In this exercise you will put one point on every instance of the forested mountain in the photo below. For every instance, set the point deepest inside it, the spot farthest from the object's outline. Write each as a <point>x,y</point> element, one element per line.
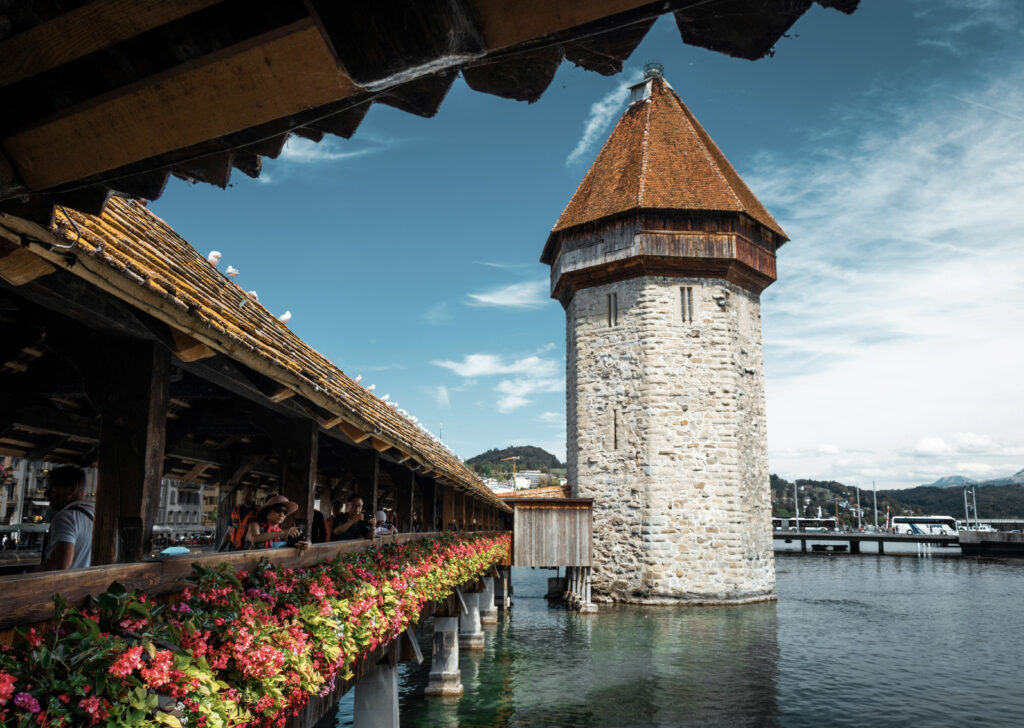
<point>530,458</point>
<point>994,501</point>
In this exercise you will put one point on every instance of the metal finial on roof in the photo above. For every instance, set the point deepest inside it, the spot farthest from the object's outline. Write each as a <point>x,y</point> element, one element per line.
<point>652,69</point>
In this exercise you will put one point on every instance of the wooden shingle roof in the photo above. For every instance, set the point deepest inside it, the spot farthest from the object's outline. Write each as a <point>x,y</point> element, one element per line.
<point>659,157</point>
<point>134,255</point>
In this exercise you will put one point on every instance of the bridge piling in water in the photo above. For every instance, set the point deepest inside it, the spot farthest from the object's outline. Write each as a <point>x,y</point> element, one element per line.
<point>375,703</point>
<point>471,635</point>
<point>488,607</point>
<point>445,678</point>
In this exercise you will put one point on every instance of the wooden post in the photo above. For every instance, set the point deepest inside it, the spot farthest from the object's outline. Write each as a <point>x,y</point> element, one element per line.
<point>403,505</point>
<point>447,507</point>
<point>376,479</point>
<point>128,381</point>
<point>297,449</point>
<point>427,493</point>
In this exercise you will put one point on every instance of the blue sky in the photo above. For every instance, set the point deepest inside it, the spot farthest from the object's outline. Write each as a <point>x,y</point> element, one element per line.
<point>889,144</point>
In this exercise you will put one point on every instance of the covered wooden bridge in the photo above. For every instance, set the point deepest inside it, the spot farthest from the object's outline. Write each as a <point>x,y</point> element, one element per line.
<point>126,349</point>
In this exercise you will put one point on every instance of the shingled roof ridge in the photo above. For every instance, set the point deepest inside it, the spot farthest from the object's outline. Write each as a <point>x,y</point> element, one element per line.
<point>644,142</point>
<point>695,129</point>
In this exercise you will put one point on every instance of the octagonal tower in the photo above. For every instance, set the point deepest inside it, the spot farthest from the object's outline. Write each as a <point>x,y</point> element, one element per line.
<point>659,260</point>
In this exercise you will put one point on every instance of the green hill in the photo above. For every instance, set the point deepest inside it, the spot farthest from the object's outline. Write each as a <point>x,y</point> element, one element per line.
<point>994,501</point>
<point>530,458</point>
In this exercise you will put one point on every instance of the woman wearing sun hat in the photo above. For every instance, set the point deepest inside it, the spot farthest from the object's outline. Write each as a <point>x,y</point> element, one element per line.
<point>265,531</point>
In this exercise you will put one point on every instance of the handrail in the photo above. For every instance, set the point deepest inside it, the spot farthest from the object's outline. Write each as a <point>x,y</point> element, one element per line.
<point>28,598</point>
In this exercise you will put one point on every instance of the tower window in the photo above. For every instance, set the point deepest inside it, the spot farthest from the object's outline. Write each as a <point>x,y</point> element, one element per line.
<point>615,429</point>
<point>686,304</point>
<point>613,309</point>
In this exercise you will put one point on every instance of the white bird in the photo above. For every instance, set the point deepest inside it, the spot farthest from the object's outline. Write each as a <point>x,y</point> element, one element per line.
<point>253,296</point>
<point>213,258</point>
<point>371,388</point>
<point>359,378</point>
<point>232,271</point>
<point>385,398</point>
<point>285,317</point>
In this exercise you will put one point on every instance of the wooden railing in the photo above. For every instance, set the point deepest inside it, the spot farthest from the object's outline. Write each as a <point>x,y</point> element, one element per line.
<point>28,598</point>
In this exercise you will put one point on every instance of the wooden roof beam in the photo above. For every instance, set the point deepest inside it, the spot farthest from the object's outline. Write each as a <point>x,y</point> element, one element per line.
<point>90,28</point>
<point>257,81</point>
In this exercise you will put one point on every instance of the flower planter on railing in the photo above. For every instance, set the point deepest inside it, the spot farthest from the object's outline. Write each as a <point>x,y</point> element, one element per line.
<point>245,649</point>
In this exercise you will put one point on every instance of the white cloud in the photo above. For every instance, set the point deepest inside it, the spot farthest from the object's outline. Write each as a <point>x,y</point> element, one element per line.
<point>516,393</point>
<point>528,294</point>
<point>602,113</point>
<point>482,365</point>
<point>931,446</point>
<point>552,418</point>
<point>899,305</point>
<point>442,398</point>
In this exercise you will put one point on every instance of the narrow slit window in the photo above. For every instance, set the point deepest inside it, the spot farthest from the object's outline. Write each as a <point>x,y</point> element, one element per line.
<point>615,429</point>
<point>613,309</point>
<point>686,304</point>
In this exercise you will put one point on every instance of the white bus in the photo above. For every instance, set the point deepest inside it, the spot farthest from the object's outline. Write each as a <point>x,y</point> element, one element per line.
<point>924,525</point>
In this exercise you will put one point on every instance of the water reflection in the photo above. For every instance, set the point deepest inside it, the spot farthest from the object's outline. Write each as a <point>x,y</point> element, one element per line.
<point>626,666</point>
<point>852,641</point>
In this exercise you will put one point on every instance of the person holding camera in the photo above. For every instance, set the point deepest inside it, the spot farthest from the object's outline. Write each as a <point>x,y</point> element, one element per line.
<point>265,531</point>
<point>353,524</point>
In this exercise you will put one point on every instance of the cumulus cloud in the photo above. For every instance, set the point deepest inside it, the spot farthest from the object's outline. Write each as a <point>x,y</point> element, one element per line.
<point>533,374</point>
<point>528,294</point>
<point>601,115</point>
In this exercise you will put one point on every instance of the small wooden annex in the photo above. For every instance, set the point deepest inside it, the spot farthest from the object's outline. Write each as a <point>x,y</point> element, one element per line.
<point>125,349</point>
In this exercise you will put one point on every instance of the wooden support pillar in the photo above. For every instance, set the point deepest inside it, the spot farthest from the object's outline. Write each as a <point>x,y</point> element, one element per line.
<point>128,382</point>
<point>881,546</point>
<point>403,504</point>
<point>447,507</point>
<point>375,480</point>
<point>428,492</point>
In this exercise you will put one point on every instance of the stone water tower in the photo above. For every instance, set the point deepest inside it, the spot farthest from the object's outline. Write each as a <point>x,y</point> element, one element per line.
<point>659,260</point>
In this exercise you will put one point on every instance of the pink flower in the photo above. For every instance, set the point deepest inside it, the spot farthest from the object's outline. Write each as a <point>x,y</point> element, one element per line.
<point>26,701</point>
<point>6,686</point>
<point>129,660</point>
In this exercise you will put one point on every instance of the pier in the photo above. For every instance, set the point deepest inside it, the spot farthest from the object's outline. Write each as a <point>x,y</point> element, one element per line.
<point>854,540</point>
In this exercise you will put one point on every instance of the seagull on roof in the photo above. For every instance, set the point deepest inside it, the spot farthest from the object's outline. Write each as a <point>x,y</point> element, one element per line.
<point>359,378</point>
<point>213,258</point>
<point>253,296</point>
<point>285,317</point>
<point>371,388</point>
<point>232,271</point>
<point>385,398</point>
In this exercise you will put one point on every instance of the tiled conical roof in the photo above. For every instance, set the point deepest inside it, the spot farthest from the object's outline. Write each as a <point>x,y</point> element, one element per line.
<point>659,157</point>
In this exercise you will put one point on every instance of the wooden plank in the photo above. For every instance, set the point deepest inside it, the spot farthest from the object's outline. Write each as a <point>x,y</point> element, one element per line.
<point>353,433</point>
<point>19,266</point>
<point>508,22</point>
<point>189,349</point>
<point>265,78</point>
<point>92,27</point>
<point>379,445</point>
<point>28,598</point>
<point>282,394</point>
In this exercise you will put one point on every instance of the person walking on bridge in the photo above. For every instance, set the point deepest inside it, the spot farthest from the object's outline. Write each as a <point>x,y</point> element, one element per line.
<point>68,543</point>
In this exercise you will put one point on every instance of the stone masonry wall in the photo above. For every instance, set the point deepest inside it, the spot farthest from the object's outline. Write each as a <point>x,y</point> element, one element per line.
<point>666,432</point>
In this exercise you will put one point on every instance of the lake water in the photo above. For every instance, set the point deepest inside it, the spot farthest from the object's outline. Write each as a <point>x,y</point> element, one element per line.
<point>852,641</point>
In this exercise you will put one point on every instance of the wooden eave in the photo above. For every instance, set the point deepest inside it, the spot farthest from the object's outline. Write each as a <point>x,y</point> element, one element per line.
<point>112,97</point>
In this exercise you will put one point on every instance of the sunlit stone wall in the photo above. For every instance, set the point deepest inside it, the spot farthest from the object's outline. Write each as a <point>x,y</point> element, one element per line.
<point>666,432</point>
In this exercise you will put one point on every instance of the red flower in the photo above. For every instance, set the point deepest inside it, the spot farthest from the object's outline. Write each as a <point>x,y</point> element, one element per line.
<point>129,660</point>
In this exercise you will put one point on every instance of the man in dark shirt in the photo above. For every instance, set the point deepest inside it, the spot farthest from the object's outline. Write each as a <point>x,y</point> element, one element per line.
<point>354,525</point>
